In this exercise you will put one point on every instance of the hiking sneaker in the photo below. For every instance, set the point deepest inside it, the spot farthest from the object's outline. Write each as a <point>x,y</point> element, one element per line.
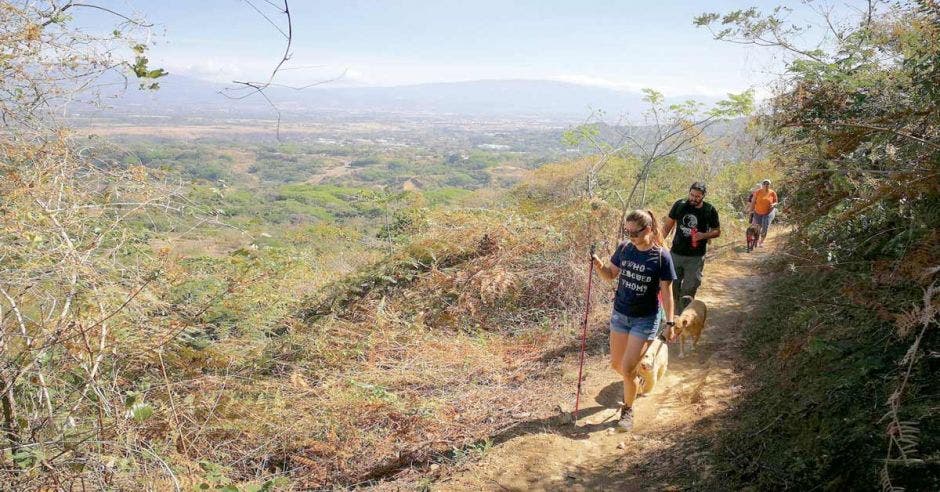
<point>626,419</point>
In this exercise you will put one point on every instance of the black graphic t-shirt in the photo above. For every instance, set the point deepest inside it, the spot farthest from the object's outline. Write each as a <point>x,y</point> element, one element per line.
<point>687,218</point>
<point>640,273</point>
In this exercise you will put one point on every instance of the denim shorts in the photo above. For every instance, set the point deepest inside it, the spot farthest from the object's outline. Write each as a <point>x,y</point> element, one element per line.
<point>644,327</point>
<point>764,220</point>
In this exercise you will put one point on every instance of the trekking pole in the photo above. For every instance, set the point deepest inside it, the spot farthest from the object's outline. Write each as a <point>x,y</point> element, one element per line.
<point>584,323</point>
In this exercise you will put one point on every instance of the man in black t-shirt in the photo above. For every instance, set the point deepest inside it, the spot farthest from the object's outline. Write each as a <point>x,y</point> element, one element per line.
<point>695,222</point>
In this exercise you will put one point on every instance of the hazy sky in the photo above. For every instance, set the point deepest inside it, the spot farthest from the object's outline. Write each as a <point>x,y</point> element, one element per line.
<point>621,44</point>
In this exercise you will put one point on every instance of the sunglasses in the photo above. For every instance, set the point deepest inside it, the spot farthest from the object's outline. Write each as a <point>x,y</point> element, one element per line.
<point>635,233</point>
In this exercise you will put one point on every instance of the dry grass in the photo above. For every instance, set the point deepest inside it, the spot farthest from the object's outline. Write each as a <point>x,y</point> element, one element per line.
<point>447,342</point>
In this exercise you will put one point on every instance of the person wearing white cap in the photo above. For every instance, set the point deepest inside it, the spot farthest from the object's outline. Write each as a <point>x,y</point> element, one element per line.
<point>764,203</point>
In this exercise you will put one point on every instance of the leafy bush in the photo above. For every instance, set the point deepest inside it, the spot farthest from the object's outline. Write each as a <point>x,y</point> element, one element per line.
<point>849,389</point>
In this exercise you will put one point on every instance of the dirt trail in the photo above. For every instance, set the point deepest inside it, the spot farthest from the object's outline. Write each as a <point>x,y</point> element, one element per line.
<point>593,456</point>
<point>333,172</point>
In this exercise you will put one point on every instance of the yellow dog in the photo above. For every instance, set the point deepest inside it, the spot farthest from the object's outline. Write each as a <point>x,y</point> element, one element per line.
<point>652,366</point>
<point>691,322</point>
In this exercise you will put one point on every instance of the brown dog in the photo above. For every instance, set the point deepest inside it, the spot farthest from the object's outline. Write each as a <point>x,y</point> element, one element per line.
<point>691,322</point>
<point>752,235</point>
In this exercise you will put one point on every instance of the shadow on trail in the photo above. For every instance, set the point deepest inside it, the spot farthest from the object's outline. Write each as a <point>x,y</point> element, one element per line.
<point>608,399</point>
<point>684,462</point>
<point>561,425</point>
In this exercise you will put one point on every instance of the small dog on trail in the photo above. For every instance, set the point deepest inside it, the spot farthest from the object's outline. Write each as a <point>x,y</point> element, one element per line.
<point>691,322</point>
<point>753,235</point>
<point>653,366</point>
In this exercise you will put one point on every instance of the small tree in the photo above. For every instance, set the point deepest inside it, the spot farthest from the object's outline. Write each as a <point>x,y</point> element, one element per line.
<point>78,284</point>
<point>666,132</point>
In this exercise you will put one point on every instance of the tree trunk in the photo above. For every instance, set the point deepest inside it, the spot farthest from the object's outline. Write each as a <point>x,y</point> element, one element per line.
<point>9,415</point>
<point>643,197</point>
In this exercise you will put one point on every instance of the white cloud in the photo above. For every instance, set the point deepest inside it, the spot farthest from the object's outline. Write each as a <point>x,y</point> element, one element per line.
<point>219,70</point>
<point>598,82</point>
<point>670,86</point>
<point>226,69</point>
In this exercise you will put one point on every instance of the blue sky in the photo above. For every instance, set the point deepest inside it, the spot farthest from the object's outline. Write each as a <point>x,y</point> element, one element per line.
<point>620,44</point>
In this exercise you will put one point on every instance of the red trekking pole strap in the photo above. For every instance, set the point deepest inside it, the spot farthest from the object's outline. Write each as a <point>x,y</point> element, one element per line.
<point>584,323</point>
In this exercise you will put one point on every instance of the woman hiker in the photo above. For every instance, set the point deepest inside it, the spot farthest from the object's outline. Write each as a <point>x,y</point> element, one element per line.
<point>645,274</point>
<point>764,203</point>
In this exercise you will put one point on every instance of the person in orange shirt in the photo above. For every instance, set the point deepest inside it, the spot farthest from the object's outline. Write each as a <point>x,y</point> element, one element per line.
<point>764,204</point>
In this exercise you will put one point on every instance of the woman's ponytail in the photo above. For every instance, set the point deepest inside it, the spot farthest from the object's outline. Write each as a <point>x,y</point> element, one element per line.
<point>657,232</point>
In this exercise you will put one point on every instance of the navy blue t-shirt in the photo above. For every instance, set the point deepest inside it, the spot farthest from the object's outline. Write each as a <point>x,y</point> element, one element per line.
<point>640,273</point>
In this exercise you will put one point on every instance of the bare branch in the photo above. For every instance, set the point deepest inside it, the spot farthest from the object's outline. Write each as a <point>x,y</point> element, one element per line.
<point>135,22</point>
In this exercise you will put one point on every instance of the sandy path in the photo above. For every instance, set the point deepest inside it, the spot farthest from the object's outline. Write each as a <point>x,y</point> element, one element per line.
<point>333,172</point>
<point>593,456</point>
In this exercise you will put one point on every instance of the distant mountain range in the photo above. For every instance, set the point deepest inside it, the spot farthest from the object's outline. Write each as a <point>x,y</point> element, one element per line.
<point>185,96</point>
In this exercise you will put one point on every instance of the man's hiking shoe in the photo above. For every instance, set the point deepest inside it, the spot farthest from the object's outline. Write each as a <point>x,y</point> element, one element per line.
<point>626,419</point>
